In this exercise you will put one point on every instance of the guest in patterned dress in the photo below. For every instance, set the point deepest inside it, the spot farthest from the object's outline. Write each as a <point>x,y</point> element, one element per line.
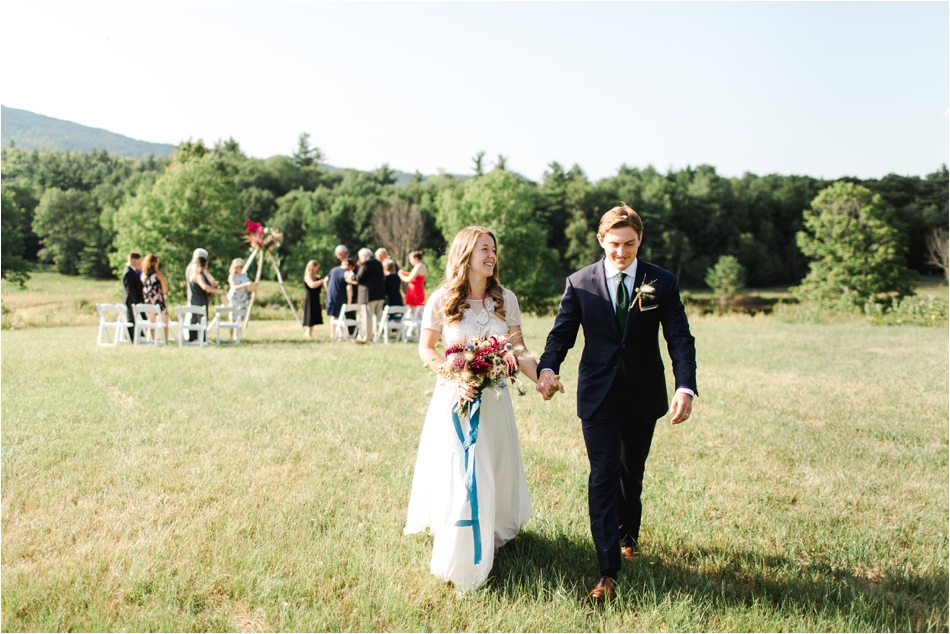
<point>239,284</point>
<point>154,289</point>
<point>238,287</point>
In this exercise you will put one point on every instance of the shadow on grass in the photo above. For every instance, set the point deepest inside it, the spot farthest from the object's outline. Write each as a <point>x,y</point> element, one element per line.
<point>536,564</point>
<point>298,341</point>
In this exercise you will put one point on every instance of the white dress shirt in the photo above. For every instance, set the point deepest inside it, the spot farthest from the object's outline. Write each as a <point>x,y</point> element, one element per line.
<point>611,272</point>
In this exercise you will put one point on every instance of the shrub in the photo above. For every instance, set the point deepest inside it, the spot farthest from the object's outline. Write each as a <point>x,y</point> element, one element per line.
<point>915,310</point>
<point>725,279</point>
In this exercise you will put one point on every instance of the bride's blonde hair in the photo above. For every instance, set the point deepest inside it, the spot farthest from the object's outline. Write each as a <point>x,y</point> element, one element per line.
<point>456,284</point>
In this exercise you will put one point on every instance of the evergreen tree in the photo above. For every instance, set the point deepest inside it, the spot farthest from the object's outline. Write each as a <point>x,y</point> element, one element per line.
<point>66,221</point>
<point>12,246</point>
<point>857,252</point>
<point>306,156</point>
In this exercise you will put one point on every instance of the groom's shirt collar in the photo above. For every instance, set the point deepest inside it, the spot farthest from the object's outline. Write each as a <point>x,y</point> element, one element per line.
<point>611,271</point>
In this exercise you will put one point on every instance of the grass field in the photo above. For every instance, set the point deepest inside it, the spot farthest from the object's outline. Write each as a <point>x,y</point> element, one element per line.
<point>264,487</point>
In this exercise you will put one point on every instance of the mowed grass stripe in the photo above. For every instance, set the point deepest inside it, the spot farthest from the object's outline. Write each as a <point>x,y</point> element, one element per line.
<point>264,486</point>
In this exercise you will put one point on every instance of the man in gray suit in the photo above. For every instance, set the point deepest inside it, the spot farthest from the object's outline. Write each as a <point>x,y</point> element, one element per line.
<point>372,293</point>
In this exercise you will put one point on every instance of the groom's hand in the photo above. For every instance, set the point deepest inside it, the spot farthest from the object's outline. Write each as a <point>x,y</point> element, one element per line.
<point>548,384</point>
<point>680,407</point>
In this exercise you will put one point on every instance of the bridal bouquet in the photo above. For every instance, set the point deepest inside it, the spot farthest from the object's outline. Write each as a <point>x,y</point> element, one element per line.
<point>481,363</point>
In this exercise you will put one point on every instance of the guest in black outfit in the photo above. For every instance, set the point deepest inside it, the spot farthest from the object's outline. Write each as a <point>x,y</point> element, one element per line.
<point>132,288</point>
<point>372,288</point>
<point>312,309</point>
<point>200,287</point>
<point>352,291</point>
<point>393,296</point>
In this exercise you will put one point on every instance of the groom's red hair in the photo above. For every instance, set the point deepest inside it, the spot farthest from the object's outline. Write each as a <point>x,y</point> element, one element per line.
<point>618,217</point>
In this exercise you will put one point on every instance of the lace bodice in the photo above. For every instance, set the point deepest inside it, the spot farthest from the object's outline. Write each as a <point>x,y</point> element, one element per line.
<point>479,320</point>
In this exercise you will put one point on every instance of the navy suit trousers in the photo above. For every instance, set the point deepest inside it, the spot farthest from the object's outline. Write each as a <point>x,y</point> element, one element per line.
<point>618,438</point>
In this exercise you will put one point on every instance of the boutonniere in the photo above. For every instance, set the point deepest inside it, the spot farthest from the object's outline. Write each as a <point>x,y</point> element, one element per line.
<point>646,291</point>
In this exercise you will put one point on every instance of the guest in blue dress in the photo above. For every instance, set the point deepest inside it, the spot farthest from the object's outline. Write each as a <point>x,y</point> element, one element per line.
<point>336,284</point>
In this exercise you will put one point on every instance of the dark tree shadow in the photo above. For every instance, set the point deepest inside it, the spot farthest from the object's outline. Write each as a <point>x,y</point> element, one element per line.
<point>294,341</point>
<point>897,601</point>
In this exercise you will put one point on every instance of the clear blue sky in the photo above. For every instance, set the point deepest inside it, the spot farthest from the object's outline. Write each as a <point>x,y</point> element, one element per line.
<point>825,89</point>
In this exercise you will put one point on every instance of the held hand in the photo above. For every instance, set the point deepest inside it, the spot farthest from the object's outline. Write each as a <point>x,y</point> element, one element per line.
<point>549,384</point>
<point>680,407</point>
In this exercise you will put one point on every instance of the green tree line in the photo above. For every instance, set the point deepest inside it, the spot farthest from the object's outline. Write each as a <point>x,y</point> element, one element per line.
<point>83,211</point>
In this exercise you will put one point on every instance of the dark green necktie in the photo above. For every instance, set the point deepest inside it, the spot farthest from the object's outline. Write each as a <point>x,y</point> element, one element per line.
<point>623,302</point>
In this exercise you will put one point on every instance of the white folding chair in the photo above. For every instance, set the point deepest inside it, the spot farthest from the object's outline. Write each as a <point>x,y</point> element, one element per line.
<point>229,318</point>
<point>119,324</point>
<point>341,324</point>
<point>142,324</point>
<point>412,324</point>
<point>185,325</point>
<point>392,324</point>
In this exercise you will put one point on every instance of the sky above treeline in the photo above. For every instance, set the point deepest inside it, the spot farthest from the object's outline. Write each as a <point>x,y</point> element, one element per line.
<point>824,89</point>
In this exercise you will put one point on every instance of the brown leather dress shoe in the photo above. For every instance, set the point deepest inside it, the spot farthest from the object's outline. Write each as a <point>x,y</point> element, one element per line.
<point>630,553</point>
<point>603,591</point>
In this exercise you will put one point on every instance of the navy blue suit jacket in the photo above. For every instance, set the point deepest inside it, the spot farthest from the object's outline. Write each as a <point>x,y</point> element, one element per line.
<point>586,302</point>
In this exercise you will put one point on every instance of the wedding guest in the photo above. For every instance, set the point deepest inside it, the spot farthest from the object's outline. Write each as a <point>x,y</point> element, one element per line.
<point>239,285</point>
<point>132,288</point>
<point>352,286</point>
<point>190,271</point>
<point>382,255</point>
<point>312,311</point>
<point>336,284</point>
<point>352,293</point>
<point>415,283</point>
<point>200,287</point>
<point>154,289</point>
<point>392,284</point>
<point>372,293</point>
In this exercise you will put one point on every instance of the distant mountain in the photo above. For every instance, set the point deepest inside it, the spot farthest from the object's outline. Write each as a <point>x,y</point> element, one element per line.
<point>402,178</point>
<point>29,130</point>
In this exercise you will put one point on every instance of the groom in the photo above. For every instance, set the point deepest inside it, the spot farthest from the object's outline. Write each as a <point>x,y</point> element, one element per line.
<point>621,301</point>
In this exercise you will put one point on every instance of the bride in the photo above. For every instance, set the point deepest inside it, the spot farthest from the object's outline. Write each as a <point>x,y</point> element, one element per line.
<point>470,302</point>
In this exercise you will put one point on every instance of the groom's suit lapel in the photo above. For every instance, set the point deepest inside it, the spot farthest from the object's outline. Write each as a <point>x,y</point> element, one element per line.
<point>599,282</point>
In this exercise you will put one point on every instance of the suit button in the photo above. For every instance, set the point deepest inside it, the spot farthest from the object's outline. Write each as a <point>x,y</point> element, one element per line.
<point>615,368</point>
<point>623,345</point>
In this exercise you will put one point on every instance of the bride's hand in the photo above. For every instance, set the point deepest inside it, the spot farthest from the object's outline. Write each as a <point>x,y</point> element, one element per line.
<point>466,394</point>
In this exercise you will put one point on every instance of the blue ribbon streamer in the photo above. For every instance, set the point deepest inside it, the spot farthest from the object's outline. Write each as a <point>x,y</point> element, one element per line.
<point>471,486</point>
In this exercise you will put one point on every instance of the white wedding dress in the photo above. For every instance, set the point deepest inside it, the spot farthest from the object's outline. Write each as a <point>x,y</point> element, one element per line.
<point>439,497</point>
